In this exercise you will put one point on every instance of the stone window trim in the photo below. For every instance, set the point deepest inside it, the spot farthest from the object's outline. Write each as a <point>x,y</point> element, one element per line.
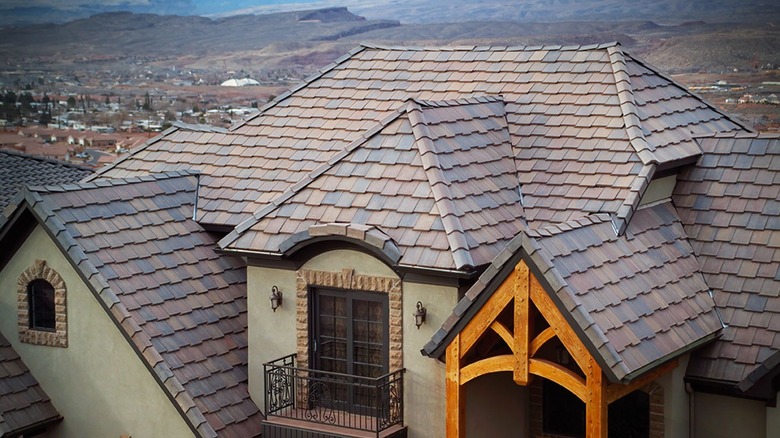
<point>348,280</point>
<point>57,338</point>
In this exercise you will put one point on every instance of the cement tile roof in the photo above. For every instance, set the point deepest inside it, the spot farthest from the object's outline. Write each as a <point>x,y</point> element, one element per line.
<point>730,204</point>
<point>438,178</point>
<point>585,123</point>
<point>635,300</point>
<point>23,402</point>
<point>18,170</point>
<point>182,305</point>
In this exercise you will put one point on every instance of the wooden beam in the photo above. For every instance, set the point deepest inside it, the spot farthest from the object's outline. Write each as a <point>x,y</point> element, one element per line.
<point>522,322</point>
<point>565,333</point>
<point>540,340</point>
<point>486,315</point>
<point>560,375</point>
<point>502,331</point>
<point>494,364</point>
<point>617,391</point>
<point>596,425</point>
<point>455,406</point>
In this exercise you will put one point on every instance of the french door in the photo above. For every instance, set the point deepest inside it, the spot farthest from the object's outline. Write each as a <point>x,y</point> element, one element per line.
<point>349,336</point>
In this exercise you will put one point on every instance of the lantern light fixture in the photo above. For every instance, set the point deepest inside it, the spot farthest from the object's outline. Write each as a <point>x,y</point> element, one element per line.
<point>276,298</point>
<point>419,315</point>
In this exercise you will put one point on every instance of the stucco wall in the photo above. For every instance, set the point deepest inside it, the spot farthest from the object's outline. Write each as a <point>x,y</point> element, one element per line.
<point>98,384</point>
<point>675,401</point>
<point>505,414</point>
<point>658,189</point>
<point>425,395</point>
<point>728,417</point>
<point>273,334</point>
<point>773,419</point>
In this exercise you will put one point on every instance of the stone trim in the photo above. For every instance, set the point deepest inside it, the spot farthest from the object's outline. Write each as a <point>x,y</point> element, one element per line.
<point>57,338</point>
<point>347,279</point>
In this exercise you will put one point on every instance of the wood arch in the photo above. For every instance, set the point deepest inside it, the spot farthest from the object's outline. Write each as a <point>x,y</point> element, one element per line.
<point>526,296</point>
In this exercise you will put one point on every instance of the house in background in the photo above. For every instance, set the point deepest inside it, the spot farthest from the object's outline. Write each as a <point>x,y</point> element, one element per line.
<point>481,241</point>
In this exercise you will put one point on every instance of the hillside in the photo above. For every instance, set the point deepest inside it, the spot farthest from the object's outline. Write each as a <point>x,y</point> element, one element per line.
<point>310,39</point>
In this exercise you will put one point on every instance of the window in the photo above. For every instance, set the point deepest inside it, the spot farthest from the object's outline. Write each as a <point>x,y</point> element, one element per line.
<point>350,337</point>
<point>42,313</point>
<point>40,297</point>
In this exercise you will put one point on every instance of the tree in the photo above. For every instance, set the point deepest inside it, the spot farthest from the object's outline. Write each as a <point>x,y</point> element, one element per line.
<point>147,102</point>
<point>71,101</point>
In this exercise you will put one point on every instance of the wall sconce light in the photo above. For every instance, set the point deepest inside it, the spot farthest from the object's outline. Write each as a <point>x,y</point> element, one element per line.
<point>419,315</point>
<point>276,298</point>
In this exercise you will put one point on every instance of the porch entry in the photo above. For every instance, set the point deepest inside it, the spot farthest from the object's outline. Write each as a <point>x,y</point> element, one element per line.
<point>349,335</point>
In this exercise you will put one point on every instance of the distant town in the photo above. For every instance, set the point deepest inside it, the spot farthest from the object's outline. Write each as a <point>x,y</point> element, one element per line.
<point>92,118</point>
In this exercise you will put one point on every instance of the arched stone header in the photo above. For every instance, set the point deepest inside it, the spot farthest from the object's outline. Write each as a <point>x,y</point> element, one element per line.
<point>57,338</point>
<point>364,236</point>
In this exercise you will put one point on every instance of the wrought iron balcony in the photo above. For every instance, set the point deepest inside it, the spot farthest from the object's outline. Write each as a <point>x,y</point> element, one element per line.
<point>372,406</point>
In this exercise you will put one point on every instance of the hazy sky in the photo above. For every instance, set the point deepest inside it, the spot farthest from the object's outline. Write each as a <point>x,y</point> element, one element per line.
<point>184,6</point>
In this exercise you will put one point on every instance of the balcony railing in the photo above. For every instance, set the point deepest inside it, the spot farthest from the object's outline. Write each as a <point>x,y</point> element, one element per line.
<point>341,400</point>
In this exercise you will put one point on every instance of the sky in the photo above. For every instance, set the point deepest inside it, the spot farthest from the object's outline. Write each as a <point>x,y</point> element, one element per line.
<point>184,7</point>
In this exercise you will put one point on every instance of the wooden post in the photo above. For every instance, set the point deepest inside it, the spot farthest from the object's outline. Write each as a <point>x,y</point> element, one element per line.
<point>454,403</point>
<point>521,324</point>
<point>596,404</point>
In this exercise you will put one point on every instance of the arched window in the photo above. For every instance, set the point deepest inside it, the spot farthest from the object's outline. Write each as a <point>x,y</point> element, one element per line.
<point>42,311</point>
<point>40,301</point>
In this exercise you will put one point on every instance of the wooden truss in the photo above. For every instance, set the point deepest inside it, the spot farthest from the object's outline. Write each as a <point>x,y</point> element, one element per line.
<point>522,290</point>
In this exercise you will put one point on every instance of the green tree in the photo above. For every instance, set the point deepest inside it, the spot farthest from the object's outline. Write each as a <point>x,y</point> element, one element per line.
<point>71,101</point>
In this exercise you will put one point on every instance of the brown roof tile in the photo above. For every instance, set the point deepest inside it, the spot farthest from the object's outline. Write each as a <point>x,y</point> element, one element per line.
<point>182,304</point>
<point>23,402</point>
<point>446,171</point>
<point>562,100</point>
<point>733,219</point>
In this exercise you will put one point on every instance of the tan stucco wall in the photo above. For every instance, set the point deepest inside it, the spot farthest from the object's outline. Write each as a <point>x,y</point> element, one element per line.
<point>728,417</point>
<point>659,189</point>
<point>675,401</point>
<point>97,383</point>
<point>272,335</point>
<point>773,419</point>
<point>425,396</point>
<point>505,414</point>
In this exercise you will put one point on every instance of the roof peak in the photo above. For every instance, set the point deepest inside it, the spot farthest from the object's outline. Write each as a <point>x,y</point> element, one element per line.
<point>491,48</point>
<point>112,182</point>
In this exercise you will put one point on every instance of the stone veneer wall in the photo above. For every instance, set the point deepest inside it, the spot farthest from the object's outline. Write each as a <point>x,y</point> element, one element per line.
<point>654,390</point>
<point>57,338</point>
<point>347,279</point>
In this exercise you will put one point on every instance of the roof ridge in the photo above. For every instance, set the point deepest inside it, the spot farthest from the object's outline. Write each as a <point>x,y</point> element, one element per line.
<point>308,80</point>
<point>453,228</point>
<point>636,138</point>
<point>519,48</point>
<point>46,159</point>
<point>738,135</point>
<point>252,220</point>
<point>199,127</point>
<point>628,106</point>
<point>462,101</point>
<point>96,184</point>
<point>570,225</point>
<point>119,313</point>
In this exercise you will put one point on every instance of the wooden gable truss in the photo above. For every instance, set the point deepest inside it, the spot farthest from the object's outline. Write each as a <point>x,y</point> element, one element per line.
<point>525,319</point>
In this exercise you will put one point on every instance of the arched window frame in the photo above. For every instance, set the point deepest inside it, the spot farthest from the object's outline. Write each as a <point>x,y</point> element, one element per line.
<point>28,333</point>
